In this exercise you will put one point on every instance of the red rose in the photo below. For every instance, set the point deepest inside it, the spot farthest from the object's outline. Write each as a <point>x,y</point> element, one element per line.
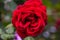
<point>30,18</point>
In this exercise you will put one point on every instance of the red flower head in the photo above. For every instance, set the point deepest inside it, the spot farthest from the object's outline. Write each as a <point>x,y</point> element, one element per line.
<point>30,18</point>
<point>58,24</point>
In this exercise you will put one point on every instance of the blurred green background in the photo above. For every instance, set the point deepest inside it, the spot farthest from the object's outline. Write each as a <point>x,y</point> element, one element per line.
<point>7,30</point>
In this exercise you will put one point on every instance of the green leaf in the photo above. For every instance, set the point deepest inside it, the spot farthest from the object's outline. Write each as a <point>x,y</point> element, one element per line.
<point>6,36</point>
<point>12,5</point>
<point>29,38</point>
<point>1,31</point>
<point>9,29</point>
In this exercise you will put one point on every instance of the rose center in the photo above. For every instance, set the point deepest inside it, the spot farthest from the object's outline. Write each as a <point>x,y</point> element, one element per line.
<point>31,18</point>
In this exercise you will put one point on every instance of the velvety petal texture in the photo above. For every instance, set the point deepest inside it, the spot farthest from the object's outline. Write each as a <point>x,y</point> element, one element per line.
<point>30,18</point>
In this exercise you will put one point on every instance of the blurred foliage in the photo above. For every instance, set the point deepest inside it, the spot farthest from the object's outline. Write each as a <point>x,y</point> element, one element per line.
<point>1,0</point>
<point>57,6</point>
<point>1,6</point>
<point>7,30</point>
<point>7,33</point>
<point>47,3</point>
<point>51,19</point>
<point>19,1</point>
<point>12,5</point>
<point>29,38</point>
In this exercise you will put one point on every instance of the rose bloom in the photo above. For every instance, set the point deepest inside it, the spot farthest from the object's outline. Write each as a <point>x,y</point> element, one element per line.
<point>30,18</point>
